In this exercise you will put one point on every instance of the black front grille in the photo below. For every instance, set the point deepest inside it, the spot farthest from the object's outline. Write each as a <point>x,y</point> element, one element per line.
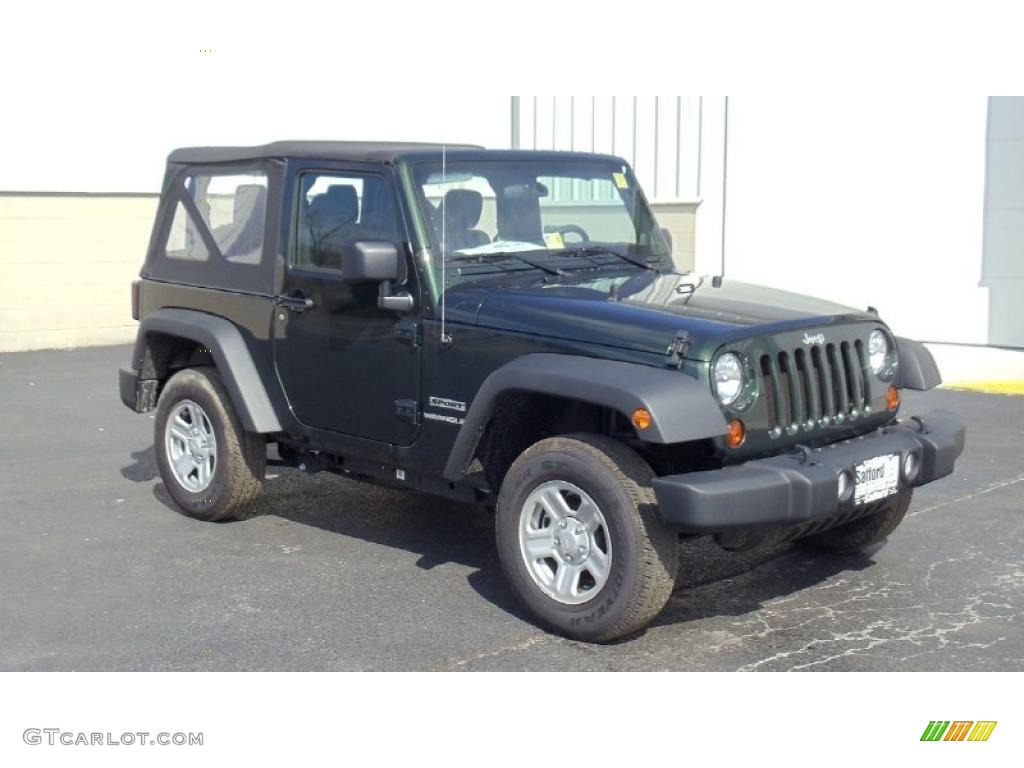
<point>814,386</point>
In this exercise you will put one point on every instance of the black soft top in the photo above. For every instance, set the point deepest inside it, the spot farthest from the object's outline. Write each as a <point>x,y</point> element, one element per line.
<point>369,151</point>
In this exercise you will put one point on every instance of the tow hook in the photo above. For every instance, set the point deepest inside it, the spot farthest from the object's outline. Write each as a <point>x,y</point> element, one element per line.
<point>803,453</point>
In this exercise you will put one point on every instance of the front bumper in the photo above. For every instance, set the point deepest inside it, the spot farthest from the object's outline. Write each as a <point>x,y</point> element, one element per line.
<point>796,488</point>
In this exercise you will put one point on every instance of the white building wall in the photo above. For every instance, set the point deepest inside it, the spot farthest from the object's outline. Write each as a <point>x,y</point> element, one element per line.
<point>1003,264</point>
<point>865,200</point>
<point>658,135</point>
<point>711,193</point>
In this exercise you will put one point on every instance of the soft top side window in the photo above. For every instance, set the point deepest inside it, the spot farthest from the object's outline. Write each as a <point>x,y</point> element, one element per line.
<point>228,209</point>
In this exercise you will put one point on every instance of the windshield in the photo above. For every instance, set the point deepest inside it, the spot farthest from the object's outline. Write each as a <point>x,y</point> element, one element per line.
<point>551,215</point>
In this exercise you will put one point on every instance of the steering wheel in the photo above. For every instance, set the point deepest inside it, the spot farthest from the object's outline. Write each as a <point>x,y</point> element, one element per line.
<point>572,229</point>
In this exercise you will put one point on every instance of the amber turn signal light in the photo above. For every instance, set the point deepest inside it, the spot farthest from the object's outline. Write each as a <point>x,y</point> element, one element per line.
<point>737,434</point>
<point>892,398</point>
<point>641,418</point>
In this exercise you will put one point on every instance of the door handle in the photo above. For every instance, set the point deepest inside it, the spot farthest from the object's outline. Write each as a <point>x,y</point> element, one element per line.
<point>297,303</point>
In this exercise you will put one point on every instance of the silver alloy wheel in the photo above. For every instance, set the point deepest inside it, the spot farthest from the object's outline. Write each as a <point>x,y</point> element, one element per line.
<point>191,446</point>
<point>565,542</point>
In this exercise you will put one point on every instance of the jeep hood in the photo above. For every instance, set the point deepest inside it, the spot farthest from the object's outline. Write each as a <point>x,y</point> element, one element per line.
<point>644,312</point>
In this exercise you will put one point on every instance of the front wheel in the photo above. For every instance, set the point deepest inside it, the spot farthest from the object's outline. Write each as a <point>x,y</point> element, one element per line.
<point>580,538</point>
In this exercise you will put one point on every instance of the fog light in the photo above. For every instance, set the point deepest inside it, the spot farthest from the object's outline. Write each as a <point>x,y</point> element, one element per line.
<point>892,398</point>
<point>910,467</point>
<point>737,434</point>
<point>641,418</point>
<point>845,489</point>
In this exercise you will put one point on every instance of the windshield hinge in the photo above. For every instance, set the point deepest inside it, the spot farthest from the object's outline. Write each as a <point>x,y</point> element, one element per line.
<point>410,331</point>
<point>677,349</point>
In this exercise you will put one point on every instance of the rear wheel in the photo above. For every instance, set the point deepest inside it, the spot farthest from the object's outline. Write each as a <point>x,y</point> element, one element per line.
<point>211,467</point>
<point>580,538</point>
<point>865,532</point>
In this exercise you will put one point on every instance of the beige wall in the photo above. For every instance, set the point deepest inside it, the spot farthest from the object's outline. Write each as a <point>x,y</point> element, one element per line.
<point>680,219</point>
<point>67,262</point>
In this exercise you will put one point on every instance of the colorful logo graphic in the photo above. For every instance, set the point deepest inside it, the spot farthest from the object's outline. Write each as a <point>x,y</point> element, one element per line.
<point>958,730</point>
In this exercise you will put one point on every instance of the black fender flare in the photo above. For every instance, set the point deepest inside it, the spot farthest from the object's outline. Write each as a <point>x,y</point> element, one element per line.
<point>230,353</point>
<point>682,409</point>
<point>917,368</point>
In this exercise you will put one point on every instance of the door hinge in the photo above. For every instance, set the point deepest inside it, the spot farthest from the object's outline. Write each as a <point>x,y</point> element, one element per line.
<point>677,349</point>
<point>410,331</point>
<point>409,410</point>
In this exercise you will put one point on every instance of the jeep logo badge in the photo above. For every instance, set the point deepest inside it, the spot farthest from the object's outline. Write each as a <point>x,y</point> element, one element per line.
<point>814,338</point>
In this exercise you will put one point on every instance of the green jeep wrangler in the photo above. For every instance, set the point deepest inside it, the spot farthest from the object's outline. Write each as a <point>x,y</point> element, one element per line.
<point>508,328</point>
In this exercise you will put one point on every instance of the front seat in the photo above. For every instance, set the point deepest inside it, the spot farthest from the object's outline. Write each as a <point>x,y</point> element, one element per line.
<point>460,212</point>
<point>330,217</point>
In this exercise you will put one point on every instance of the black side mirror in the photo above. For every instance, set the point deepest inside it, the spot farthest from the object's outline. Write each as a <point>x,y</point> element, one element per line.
<point>371,262</point>
<point>378,262</point>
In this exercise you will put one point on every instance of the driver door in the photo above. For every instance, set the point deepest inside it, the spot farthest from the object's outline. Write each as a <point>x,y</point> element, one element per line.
<point>341,364</point>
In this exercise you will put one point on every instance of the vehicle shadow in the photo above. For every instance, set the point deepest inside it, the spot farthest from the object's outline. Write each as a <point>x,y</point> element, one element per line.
<point>711,581</point>
<point>714,582</point>
<point>143,467</point>
<point>438,530</point>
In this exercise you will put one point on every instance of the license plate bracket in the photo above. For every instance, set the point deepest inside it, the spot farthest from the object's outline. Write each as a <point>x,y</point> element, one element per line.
<point>876,478</point>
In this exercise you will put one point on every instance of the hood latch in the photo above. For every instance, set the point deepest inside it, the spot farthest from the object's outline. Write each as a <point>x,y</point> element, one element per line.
<point>677,349</point>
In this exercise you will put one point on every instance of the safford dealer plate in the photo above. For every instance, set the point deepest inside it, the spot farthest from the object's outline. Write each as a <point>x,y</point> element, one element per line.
<point>876,478</point>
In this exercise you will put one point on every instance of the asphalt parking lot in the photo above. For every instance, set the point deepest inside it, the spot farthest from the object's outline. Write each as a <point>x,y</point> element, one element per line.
<point>98,572</point>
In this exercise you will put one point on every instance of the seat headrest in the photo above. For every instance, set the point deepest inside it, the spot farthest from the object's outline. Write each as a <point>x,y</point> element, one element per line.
<point>339,205</point>
<point>250,202</point>
<point>462,208</point>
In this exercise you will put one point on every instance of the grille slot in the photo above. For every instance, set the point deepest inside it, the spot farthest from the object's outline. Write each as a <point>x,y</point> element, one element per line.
<point>796,395</point>
<point>806,387</point>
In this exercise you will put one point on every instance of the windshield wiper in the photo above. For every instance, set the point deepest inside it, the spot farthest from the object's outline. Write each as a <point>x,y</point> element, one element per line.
<point>503,255</point>
<point>599,250</point>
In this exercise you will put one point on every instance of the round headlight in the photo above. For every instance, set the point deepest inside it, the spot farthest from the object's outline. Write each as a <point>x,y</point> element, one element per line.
<point>728,375</point>
<point>878,351</point>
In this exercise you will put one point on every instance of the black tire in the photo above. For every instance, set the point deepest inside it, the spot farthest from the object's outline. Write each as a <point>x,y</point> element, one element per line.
<point>865,532</point>
<point>241,457</point>
<point>645,552</point>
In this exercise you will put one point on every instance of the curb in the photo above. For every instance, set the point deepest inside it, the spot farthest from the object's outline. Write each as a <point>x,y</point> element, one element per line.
<point>1005,387</point>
